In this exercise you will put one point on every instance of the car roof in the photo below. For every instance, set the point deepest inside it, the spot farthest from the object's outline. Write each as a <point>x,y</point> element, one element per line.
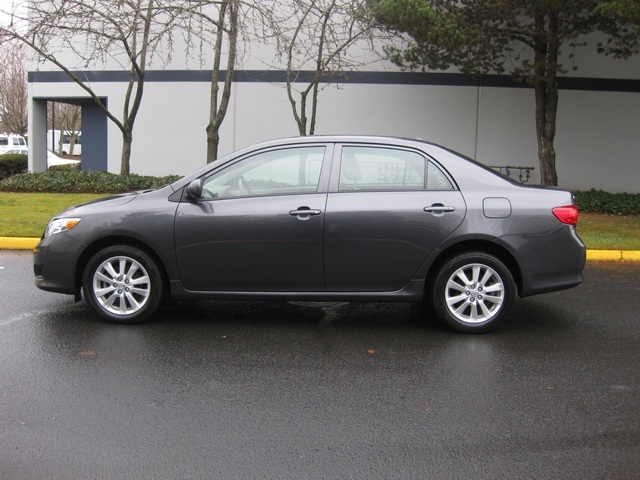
<point>341,138</point>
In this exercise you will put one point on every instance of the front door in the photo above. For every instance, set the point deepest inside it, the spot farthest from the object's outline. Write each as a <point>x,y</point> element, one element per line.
<point>258,226</point>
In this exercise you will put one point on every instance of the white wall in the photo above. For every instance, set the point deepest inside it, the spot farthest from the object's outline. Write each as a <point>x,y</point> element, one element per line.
<point>169,136</point>
<point>596,143</point>
<point>596,140</point>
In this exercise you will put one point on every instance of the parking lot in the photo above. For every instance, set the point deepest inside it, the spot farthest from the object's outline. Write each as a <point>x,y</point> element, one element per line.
<point>266,390</point>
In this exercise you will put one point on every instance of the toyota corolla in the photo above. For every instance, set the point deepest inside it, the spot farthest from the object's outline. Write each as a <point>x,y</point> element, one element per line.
<point>341,218</point>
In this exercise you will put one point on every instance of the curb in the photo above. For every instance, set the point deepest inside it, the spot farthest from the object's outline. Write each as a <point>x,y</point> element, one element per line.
<point>615,255</point>
<point>18,243</point>
<point>13,243</point>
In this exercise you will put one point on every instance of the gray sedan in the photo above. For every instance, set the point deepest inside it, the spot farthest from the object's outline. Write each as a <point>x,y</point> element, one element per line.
<point>339,218</point>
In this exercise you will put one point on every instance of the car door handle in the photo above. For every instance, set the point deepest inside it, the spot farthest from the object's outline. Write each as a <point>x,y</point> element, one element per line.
<point>304,212</point>
<point>439,208</point>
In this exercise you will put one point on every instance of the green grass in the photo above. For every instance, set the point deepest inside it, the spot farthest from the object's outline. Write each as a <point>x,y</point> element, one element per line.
<point>610,232</point>
<point>27,214</point>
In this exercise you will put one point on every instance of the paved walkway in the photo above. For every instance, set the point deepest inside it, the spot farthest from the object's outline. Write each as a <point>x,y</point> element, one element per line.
<point>10,243</point>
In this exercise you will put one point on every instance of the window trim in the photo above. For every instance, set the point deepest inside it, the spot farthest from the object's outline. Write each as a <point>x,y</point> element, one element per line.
<point>334,183</point>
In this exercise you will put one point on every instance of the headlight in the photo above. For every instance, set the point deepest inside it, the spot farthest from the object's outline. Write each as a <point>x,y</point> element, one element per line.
<point>58,225</point>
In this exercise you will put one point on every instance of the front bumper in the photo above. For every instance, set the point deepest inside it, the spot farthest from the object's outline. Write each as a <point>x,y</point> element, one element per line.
<point>55,260</point>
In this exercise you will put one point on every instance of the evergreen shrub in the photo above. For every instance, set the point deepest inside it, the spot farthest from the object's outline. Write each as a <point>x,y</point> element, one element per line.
<point>599,201</point>
<point>12,164</point>
<point>74,181</point>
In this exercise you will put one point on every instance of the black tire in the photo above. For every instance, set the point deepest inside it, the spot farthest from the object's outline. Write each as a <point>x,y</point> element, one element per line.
<point>473,292</point>
<point>122,284</point>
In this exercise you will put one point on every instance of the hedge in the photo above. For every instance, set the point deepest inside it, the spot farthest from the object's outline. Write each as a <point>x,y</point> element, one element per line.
<point>598,201</point>
<point>12,164</point>
<point>73,181</point>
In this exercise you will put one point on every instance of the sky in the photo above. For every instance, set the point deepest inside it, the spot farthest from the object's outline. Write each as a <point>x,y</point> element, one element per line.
<point>7,6</point>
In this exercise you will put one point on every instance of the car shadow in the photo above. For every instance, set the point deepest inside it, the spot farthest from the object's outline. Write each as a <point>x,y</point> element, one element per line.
<point>528,316</point>
<point>310,314</point>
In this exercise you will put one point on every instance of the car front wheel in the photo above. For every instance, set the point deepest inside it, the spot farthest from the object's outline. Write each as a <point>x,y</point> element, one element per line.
<point>122,284</point>
<point>473,291</point>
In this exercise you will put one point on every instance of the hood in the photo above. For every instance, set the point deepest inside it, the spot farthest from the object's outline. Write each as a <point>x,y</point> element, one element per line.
<point>104,202</point>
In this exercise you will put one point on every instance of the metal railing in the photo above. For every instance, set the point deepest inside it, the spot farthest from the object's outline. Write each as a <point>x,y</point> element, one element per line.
<point>523,173</point>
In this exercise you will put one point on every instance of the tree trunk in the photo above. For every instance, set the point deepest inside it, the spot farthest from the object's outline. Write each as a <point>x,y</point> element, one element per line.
<point>213,130</point>
<point>546,110</point>
<point>546,95</point>
<point>213,142</point>
<point>218,110</point>
<point>72,142</point>
<point>127,139</point>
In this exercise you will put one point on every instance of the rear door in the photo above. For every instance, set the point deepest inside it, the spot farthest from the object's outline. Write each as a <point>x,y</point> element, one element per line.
<point>387,209</point>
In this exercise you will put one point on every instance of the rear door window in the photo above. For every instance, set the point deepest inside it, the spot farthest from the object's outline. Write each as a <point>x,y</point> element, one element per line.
<point>379,168</point>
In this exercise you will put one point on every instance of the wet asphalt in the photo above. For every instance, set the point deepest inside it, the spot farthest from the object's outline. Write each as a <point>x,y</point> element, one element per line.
<point>261,390</point>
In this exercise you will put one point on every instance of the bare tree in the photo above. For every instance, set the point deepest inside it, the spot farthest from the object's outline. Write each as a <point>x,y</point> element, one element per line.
<point>219,102</point>
<point>67,118</point>
<point>314,37</point>
<point>227,26</point>
<point>88,32</point>
<point>70,123</point>
<point>13,87</point>
<point>221,20</point>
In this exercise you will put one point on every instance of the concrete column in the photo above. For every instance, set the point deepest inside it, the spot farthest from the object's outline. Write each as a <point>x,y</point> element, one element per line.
<point>38,136</point>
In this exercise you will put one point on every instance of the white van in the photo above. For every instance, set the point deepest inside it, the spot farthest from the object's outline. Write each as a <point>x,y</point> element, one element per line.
<point>12,143</point>
<point>59,141</point>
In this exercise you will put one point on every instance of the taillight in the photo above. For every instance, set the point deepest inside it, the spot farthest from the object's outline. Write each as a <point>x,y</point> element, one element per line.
<point>567,214</point>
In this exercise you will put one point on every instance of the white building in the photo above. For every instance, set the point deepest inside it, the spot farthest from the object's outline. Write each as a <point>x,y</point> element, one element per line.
<point>490,119</point>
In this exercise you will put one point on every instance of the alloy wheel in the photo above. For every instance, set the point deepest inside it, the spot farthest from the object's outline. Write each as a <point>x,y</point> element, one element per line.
<point>474,293</point>
<point>121,285</point>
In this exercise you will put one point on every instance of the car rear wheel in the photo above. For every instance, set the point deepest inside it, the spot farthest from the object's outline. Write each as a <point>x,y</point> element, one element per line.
<point>473,292</point>
<point>122,284</point>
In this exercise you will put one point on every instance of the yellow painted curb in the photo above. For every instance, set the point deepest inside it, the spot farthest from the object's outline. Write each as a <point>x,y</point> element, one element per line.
<point>604,255</point>
<point>14,243</point>
<point>631,256</point>
<point>615,255</point>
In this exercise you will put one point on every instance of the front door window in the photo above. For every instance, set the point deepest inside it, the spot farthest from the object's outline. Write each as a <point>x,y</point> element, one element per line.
<point>280,172</point>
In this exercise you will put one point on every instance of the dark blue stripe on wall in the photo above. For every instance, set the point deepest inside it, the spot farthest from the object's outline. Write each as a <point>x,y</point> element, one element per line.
<point>372,78</point>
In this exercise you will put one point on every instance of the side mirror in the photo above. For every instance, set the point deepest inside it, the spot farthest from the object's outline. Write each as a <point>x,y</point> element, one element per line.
<point>194,190</point>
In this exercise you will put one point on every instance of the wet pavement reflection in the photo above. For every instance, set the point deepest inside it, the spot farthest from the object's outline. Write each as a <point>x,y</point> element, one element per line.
<point>282,390</point>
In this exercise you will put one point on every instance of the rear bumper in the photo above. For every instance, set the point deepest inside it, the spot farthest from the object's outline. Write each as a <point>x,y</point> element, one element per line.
<point>549,262</point>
